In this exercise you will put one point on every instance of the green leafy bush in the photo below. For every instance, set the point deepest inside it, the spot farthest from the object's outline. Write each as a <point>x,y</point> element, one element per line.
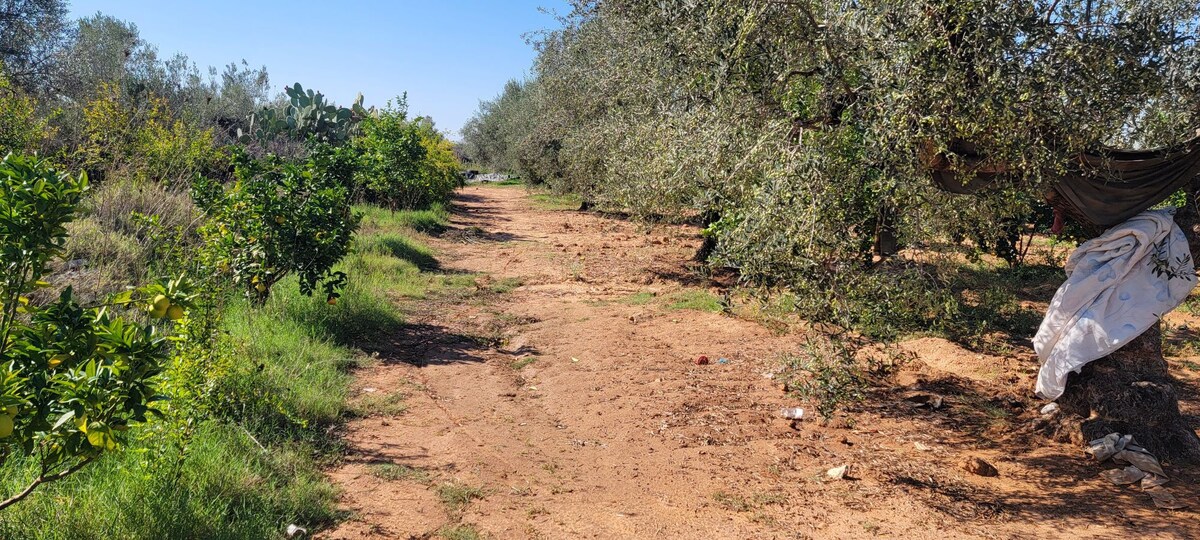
<point>405,164</point>
<point>141,141</point>
<point>73,378</point>
<point>20,128</point>
<point>277,219</point>
<point>827,373</point>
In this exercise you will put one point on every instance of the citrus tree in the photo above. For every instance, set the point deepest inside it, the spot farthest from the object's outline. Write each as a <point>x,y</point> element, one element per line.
<point>73,378</point>
<point>278,219</point>
<point>405,163</point>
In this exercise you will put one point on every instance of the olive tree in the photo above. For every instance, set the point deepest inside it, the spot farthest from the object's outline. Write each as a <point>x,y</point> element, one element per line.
<point>799,131</point>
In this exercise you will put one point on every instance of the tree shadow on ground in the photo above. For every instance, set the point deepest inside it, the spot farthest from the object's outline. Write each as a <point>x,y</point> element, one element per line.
<point>995,308</point>
<point>694,274</point>
<point>402,249</point>
<point>474,234</point>
<point>429,344</point>
<point>965,409</point>
<point>1068,492</point>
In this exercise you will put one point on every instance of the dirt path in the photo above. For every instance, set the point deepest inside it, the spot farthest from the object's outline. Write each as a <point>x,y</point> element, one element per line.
<point>569,407</point>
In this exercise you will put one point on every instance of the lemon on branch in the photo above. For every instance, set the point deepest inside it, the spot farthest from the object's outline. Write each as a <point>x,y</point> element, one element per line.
<point>175,312</point>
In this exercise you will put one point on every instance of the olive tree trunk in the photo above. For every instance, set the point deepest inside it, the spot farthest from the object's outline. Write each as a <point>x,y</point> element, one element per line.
<point>1130,391</point>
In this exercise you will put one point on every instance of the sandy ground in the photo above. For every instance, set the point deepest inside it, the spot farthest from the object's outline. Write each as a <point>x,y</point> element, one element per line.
<point>612,431</point>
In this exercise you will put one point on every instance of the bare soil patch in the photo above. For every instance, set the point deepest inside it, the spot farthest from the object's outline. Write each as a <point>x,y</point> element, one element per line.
<point>569,405</point>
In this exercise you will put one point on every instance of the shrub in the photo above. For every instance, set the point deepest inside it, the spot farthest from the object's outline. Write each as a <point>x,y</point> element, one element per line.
<point>826,372</point>
<point>74,378</point>
<point>278,219</point>
<point>405,164</point>
<point>141,141</point>
<point>20,128</point>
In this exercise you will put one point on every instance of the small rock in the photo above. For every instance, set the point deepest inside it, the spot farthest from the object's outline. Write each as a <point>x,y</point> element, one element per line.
<point>837,473</point>
<point>978,466</point>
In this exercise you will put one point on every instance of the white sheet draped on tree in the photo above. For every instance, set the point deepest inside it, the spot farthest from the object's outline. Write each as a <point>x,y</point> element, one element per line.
<point>1118,284</point>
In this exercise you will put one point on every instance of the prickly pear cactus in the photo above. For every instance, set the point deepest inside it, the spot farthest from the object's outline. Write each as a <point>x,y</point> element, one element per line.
<point>308,115</point>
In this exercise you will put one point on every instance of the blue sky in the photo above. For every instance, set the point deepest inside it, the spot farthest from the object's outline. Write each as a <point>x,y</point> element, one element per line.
<point>447,54</point>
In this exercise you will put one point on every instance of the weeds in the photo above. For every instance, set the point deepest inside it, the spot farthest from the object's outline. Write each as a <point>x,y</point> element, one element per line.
<point>457,496</point>
<point>523,363</point>
<point>826,371</point>
<point>431,221</point>
<point>550,201</point>
<point>696,300</point>
<point>506,285</point>
<point>462,531</point>
<point>393,472</point>
<point>733,503</point>
<point>381,404</point>
<point>640,299</point>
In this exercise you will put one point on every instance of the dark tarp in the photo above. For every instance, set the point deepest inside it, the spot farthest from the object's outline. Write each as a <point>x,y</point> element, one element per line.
<point>1105,187</point>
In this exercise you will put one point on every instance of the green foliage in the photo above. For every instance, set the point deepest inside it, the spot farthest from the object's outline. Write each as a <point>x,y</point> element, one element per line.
<point>21,130</point>
<point>31,32</point>
<point>220,486</point>
<point>457,496</point>
<point>696,300</point>
<point>405,164</point>
<point>461,531</point>
<point>826,372</point>
<point>277,376</point>
<point>393,472</point>
<point>277,219</point>
<point>433,220</point>
<point>74,378</point>
<point>807,129</point>
<point>141,141</point>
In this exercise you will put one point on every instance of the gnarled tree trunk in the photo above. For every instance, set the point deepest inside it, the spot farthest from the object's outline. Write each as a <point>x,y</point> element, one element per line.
<point>1131,391</point>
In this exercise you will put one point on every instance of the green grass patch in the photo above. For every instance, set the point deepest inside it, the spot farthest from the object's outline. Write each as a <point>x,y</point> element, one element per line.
<point>462,531</point>
<point>431,221</point>
<point>457,496</point>
<point>246,433</point>
<point>696,300</point>
<point>523,363</point>
<point>550,201</point>
<point>640,299</point>
<point>393,472</point>
<point>399,247</point>
<point>224,487</point>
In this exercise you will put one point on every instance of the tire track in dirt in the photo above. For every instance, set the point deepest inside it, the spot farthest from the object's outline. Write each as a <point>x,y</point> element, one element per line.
<point>611,432</point>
